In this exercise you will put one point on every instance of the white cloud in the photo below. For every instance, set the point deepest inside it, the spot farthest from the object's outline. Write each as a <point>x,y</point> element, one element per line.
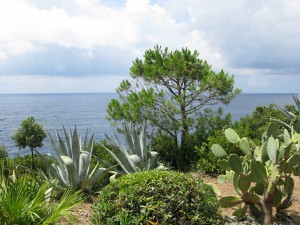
<point>243,37</point>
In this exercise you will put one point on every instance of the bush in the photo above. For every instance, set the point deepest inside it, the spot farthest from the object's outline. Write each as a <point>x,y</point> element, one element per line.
<point>3,152</point>
<point>165,197</point>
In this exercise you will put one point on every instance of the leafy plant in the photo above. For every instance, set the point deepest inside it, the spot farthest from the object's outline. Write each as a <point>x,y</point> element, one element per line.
<point>72,166</point>
<point>262,177</point>
<point>24,201</point>
<point>138,156</point>
<point>157,197</point>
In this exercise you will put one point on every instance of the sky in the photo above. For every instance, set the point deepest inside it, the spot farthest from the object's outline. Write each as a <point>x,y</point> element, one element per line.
<point>87,46</point>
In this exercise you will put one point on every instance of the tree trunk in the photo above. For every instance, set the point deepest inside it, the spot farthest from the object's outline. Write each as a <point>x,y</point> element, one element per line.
<point>266,209</point>
<point>183,154</point>
<point>32,159</point>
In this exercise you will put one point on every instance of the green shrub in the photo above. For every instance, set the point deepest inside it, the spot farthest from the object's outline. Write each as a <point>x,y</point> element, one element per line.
<point>3,152</point>
<point>165,197</point>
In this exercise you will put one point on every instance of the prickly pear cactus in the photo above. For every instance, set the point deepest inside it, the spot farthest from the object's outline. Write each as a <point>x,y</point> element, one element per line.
<point>262,177</point>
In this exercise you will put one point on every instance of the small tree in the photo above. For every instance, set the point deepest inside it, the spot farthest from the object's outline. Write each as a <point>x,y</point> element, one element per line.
<point>169,89</point>
<point>31,134</point>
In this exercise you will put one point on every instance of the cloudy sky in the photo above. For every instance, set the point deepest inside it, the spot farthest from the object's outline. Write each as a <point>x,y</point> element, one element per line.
<point>88,45</point>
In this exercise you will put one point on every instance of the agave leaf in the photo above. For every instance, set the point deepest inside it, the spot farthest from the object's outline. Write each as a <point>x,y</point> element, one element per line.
<point>151,159</point>
<point>84,165</point>
<point>85,142</point>
<point>90,181</point>
<point>55,147</point>
<point>137,147</point>
<point>137,160</point>
<point>143,138</point>
<point>129,140</point>
<point>50,167</point>
<point>122,160</point>
<point>62,147</point>
<point>70,166</point>
<point>76,149</point>
<point>68,142</point>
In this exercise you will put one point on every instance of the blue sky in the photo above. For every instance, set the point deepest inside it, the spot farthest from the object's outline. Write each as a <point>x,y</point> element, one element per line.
<point>50,46</point>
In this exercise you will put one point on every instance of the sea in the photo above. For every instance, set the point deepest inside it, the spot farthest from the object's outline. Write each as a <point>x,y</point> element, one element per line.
<point>88,111</point>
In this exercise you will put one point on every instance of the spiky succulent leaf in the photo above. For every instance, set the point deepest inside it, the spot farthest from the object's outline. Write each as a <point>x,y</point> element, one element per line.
<point>138,156</point>
<point>218,151</point>
<point>232,136</point>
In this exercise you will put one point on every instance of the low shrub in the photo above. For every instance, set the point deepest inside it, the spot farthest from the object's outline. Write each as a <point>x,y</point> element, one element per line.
<point>3,152</point>
<point>157,197</point>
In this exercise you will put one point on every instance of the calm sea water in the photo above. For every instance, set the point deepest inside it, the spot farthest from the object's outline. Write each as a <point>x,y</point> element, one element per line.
<point>89,111</point>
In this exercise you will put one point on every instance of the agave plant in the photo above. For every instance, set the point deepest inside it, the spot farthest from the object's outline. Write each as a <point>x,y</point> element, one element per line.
<point>138,156</point>
<point>72,166</point>
<point>294,125</point>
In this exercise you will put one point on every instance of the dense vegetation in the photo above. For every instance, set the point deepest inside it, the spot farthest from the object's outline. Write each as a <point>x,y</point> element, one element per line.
<point>170,93</point>
<point>159,197</point>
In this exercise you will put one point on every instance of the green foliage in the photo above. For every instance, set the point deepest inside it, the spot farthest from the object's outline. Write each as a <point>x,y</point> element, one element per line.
<point>3,152</point>
<point>162,197</point>
<point>72,166</point>
<point>252,126</point>
<point>137,156</point>
<point>24,201</point>
<point>31,134</point>
<point>168,89</point>
<point>207,122</point>
<point>262,176</point>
